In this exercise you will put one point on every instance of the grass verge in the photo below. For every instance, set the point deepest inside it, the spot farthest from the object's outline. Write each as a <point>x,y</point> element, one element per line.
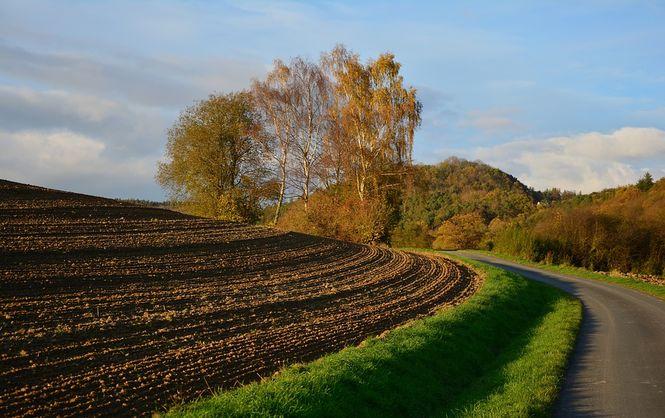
<point>501,353</point>
<point>635,284</point>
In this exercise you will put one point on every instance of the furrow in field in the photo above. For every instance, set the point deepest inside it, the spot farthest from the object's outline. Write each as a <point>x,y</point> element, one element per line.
<point>118,310</point>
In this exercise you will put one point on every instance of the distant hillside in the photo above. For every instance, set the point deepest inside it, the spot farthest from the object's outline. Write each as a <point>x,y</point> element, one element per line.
<point>452,203</point>
<point>619,229</point>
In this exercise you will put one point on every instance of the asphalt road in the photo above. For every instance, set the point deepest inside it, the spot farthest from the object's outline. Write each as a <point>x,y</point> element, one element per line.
<point>618,367</point>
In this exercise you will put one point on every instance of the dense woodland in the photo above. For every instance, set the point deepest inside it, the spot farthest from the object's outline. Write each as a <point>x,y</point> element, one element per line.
<point>450,205</point>
<point>461,204</point>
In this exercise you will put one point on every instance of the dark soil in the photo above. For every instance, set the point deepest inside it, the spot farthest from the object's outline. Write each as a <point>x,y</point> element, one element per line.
<point>108,308</point>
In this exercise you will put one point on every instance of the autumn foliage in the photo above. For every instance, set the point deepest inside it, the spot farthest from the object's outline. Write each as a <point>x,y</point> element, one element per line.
<point>452,204</point>
<point>619,229</point>
<point>460,232</point>
<point>214,165</point>
<point>330,140</point>
<point>326,148</point>
<point>364,152</point>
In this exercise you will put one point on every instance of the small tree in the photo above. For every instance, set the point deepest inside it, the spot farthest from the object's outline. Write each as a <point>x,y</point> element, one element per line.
<point>646,182</point>
<point>213,161</point>
<point>460,232</point>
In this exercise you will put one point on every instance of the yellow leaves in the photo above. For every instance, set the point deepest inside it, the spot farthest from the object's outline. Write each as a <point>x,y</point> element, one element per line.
<point>212,149</point>
<point>377,112</point>
<point>460,232</point>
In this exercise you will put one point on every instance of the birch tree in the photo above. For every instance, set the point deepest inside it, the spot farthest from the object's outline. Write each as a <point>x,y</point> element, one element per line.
<point>270,97</point>
<point>378,117</point>
<point>310,94</point>
<point>295,100</point>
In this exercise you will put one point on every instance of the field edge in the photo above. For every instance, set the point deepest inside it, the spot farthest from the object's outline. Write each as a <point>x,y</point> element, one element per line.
<point>484,356</point>
<point>627,282</point>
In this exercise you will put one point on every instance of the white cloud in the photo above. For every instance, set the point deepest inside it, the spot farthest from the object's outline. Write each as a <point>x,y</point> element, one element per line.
<point>62,158</point>
<point>98,125</point>
<point>150,81</point>
<point>82,107</point>
<point>125,129</point>
<point>584,162</point>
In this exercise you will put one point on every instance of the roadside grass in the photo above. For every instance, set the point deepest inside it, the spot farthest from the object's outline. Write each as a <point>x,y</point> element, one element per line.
<point>503,352</point>
<point>635,284</point>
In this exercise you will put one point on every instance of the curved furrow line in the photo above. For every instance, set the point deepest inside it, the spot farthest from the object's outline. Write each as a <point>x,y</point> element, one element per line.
<point>117,310</point>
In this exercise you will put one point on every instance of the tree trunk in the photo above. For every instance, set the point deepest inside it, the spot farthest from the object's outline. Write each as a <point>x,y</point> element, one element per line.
<point>282,190</point>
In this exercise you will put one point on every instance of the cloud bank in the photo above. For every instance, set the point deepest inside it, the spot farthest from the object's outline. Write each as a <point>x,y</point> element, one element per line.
<point>95,125</point>
<point>63,158</point>
<point>583,162</point>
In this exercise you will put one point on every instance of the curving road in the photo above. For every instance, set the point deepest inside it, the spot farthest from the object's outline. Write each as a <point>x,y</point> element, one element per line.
<point>618,367</point>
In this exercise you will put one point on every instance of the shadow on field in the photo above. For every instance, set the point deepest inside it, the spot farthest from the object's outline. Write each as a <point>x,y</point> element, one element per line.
<point>442,365</point>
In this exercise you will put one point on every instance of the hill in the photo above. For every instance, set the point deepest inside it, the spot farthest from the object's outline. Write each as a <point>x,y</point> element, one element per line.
<point>111,308</point>
<point>458,194</point>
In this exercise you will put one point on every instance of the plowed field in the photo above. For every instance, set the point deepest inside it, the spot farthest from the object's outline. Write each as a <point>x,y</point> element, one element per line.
<point>112,309</point>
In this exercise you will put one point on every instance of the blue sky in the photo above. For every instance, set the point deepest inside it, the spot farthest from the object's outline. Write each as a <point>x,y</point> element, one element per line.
<point>568,94</point>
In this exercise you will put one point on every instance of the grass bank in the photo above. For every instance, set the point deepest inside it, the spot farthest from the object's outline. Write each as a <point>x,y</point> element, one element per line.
<point>635,284</point>
<point>501,353</point>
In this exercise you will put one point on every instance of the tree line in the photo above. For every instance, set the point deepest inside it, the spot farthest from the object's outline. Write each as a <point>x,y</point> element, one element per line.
<point>338,128</point>
<point>325,148</point>
<point>620,229</point>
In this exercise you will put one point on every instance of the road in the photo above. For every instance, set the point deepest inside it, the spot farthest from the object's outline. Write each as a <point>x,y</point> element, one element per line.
<point>618,367</point>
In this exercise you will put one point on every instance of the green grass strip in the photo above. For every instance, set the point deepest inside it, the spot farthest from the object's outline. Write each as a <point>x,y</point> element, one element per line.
<point>635,284</point>
<point>501,353</point>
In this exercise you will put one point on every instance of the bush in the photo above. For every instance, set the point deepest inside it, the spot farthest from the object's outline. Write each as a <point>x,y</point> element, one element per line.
<point>411,233</point>
<point>621,230</point>
<point>232,205</point>
<point>460,232</point>
<point>337,214</point>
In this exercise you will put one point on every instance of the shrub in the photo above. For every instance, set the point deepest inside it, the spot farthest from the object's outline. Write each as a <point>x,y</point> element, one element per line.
<point>337,214</point>
<point>459,232</point>
<point>621,229</point>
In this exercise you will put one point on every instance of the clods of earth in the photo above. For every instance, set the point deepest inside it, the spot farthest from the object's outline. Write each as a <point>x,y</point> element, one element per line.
<point>109,308</point>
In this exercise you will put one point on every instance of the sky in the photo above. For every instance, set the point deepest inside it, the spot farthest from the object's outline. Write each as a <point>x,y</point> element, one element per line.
<point>562,94</point>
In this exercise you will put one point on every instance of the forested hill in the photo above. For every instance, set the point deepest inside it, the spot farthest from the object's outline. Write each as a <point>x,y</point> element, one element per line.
<point>455,201</point>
